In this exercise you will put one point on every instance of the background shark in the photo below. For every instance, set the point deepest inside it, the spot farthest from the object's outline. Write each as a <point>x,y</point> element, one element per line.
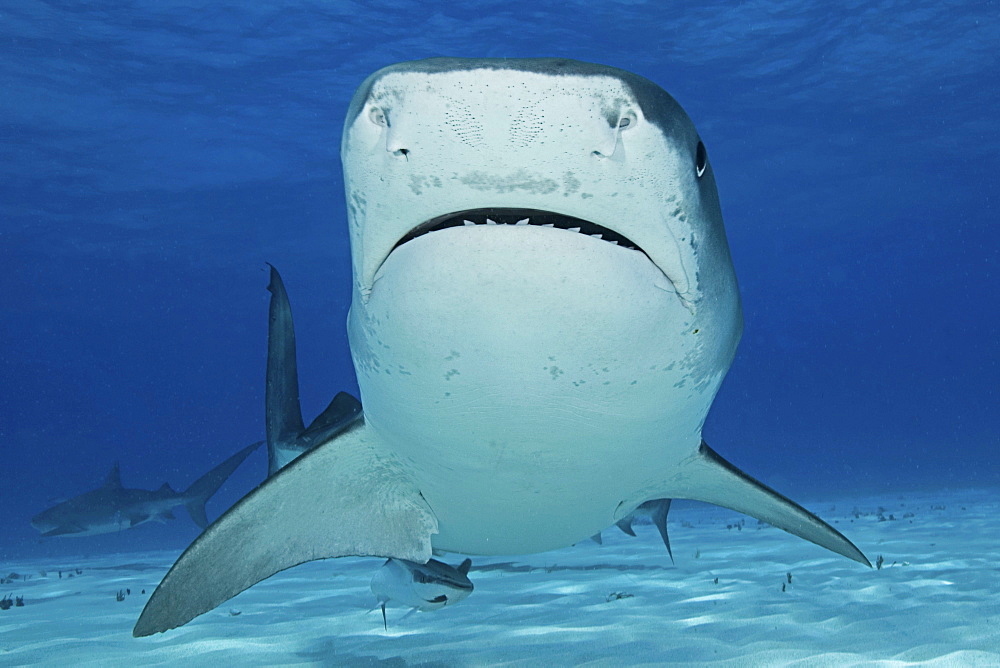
<point>544,308</point>
<point>111,507</point>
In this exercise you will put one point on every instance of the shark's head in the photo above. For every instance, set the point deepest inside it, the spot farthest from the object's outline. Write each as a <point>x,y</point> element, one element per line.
<point>71,518</point>
<point>528,234</point>
<point>432,144</point>
<point>45,521</point>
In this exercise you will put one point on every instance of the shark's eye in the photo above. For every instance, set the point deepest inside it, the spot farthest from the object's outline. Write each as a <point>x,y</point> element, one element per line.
<point>624,123</point>
<point>700,160</point>
<point>627,120</point>
<point>378,117</point>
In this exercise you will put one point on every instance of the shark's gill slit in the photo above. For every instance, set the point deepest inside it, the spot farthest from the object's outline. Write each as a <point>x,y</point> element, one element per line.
<point>514,216</point>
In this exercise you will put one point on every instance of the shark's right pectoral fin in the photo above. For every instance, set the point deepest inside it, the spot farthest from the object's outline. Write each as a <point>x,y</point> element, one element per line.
<point>344,498</point>
<point>710,478</point>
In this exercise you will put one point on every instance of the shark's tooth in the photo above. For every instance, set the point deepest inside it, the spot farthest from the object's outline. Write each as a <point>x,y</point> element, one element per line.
<point>573,229</point>
<point>597,236</point>
<point>549,225</point>
<point>490,222</point>
<point>468,222</point>
<point>523,222</point>
<point>613,241</point>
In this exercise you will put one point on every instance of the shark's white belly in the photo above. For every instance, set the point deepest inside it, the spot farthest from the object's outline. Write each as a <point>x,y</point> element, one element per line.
<point>537,383</point>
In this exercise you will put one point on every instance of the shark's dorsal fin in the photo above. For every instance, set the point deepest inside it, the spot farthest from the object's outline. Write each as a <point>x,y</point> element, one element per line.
<point>284,415</point>
<point>463,567</point>
<point>114,479</point>
<point>286,437</point>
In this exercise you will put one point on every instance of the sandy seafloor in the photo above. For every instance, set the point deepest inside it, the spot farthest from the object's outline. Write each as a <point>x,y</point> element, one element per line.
<point>935,601</point>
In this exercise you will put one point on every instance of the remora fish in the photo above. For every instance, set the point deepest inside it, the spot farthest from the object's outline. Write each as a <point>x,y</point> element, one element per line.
<point>421,586</point>
<point>111,507</point>
<point>544,308</point>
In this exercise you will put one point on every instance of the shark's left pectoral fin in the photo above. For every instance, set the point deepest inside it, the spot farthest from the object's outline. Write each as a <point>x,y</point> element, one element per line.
<point>344,498</point>
<point>710,478</point>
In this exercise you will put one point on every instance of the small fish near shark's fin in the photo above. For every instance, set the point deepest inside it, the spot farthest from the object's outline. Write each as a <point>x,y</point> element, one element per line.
<point>287,438</point>
<point>346,497</point>
<point>421,586</point>
<point>710,478</point>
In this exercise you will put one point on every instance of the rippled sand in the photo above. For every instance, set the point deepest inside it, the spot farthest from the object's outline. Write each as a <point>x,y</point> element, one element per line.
<point>727,601</point>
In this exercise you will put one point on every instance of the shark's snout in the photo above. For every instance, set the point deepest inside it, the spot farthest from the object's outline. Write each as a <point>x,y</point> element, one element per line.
<point>43,523</point>
<point>517,120</point>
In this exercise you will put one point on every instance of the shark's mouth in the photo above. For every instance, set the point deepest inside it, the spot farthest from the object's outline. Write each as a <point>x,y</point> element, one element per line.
<point>508,216</point>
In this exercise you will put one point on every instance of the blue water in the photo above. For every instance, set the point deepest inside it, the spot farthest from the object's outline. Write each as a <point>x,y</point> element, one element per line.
<point>154,155</point>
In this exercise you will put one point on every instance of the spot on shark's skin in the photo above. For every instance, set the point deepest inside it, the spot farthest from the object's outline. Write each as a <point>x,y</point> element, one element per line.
<point>521,180</point>
<point>533,275</point>
<point>571,184</point>
<point>419,182</point>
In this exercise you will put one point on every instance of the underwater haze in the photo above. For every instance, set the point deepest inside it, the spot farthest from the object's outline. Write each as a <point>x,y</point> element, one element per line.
<point>154,156</point>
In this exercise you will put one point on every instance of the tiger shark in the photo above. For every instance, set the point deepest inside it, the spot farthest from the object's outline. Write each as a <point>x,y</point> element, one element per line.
<point>112,507</point>
<point>543,309</point>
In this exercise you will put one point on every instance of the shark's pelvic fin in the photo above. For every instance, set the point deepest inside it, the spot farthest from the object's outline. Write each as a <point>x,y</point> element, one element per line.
<point>657,511</point>
<point>343,498</point>
<point>710,478</point>
<point>202,489</point>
